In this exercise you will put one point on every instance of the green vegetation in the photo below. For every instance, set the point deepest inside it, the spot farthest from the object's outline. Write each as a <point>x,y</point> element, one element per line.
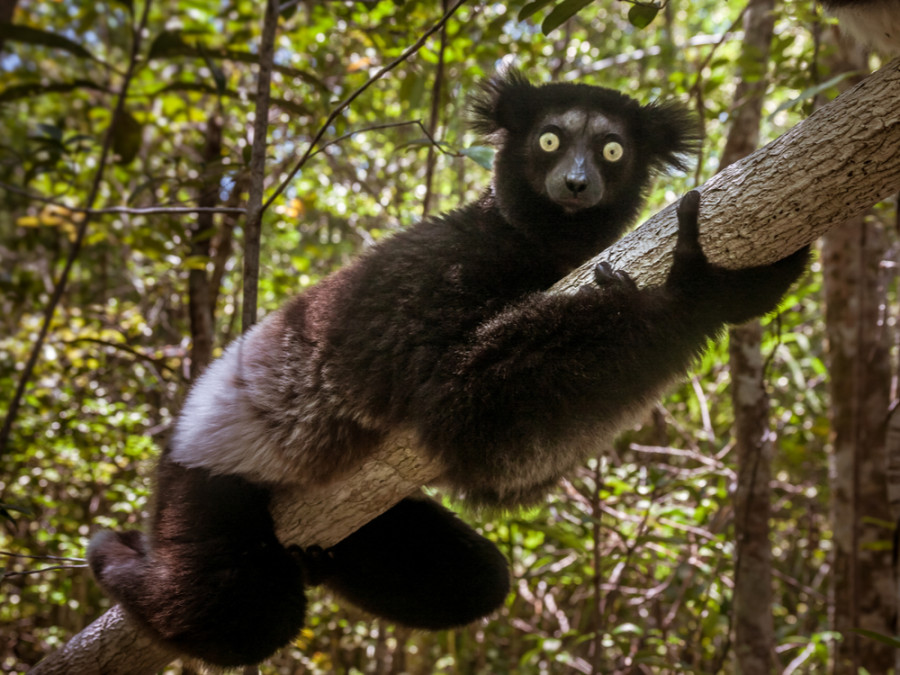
<point>629,567</point>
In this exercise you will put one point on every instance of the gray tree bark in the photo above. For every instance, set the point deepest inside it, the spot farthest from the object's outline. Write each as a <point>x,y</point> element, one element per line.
<point>859,371</point>
<point>859,368</point>
<point>754,631</point>
<point>834,165</point>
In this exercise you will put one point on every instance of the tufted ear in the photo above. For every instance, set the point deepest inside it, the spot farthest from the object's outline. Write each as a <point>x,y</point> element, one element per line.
<point>669,134</point>
<point>502,102</point>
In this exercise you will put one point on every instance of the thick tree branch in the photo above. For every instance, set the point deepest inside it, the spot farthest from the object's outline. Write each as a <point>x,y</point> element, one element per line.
<point>833,166</point>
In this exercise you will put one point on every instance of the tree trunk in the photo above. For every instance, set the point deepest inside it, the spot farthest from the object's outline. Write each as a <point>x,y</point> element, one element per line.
<point>860,375</point>
<point>834,165</point>
<point>754,632</point>
<point>200,293</point>
<point>862,584</point>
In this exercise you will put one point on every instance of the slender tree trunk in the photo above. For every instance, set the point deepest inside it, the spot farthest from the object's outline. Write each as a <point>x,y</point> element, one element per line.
<point>862,591</point>
<point>892,457</point>
<point>753,625</point>
<point>754,632</point>
<point>436,92</point>
<point>200,293</point>
<point>859,369</point>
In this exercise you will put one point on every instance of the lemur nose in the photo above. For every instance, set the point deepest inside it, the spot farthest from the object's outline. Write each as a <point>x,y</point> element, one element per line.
<point>576,184</point>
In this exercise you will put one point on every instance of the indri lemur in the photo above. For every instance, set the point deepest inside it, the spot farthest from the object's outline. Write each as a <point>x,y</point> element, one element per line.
<point>872,22</point>
<point>445,329</point>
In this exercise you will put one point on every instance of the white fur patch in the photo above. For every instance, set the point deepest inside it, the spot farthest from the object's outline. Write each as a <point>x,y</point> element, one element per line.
<point>218,428</point>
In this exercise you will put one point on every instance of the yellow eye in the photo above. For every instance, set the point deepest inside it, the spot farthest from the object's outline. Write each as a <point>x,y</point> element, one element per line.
<point>549,141</point>
<point>612,151</point>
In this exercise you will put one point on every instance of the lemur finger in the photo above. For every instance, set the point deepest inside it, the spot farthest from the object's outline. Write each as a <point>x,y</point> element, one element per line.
<point>688,228</point>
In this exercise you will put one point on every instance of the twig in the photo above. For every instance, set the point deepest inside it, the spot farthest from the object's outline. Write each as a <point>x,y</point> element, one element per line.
<point>436,90</point>
<point>43,569</point>
<point>141,356</point>
<point>389,125</point>
<point>255,209</point>
<point>10,554</point>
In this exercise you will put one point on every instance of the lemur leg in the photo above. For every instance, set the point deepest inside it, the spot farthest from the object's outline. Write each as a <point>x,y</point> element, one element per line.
<point>215,582</point>
<point>420,566</point>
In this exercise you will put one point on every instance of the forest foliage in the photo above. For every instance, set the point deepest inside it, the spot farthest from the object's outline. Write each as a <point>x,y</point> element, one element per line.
<point>629,566</point>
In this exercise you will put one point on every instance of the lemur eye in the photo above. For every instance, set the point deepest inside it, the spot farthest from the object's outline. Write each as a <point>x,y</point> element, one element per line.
<point>549,141</point>
<point>613,151</point>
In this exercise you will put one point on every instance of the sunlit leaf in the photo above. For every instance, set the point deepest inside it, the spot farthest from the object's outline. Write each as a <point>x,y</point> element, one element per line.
<point>481,154</point>
<point>532,8</point>
<point>562,13</point>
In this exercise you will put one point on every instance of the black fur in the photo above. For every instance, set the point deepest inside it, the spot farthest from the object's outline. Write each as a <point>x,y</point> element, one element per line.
<point>212,575</point>
<point>447,330</point>
<point>419,565</point>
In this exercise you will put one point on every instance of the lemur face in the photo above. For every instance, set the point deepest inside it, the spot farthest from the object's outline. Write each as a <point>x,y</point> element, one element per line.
<point>577,156</point>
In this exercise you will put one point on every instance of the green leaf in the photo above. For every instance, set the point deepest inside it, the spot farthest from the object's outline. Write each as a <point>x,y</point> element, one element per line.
<point>195,262</point>
<point>815,90</point>
<point>480,154</point>
<point>562,13</point>
<point>884,639</point>
<point>35,36</point>
<point>127,137</point>
<point>640,16</point>
<point>51,131</point>
<point>532,8</point>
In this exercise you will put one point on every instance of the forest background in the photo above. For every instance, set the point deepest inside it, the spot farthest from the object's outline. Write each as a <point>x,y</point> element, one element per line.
<point>672,551</point>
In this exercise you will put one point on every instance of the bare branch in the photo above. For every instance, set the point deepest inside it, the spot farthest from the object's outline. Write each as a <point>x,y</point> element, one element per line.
<point>253,228</point>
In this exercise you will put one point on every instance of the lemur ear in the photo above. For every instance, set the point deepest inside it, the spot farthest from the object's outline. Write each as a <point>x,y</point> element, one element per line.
<point>669,135</point>
<point>502,102</point>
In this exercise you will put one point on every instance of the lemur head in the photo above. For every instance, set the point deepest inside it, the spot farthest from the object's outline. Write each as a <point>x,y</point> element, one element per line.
<point>574,153</point>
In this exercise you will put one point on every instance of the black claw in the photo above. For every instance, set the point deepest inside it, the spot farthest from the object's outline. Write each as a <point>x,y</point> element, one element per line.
<point>605,275</point>
<point>603,272</point>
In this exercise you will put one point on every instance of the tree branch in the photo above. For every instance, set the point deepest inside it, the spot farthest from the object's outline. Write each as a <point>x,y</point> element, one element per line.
<point>836,164</point>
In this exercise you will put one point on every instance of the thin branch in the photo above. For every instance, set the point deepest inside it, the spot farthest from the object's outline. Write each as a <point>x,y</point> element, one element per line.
<point>141,356</point>
<point>255,209</point>
<point>389,125</point>
<point>25,573</point>
<point>60,287</point>
<point>127,210</point>
<point>10,554</point>
<point>436,90</point>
